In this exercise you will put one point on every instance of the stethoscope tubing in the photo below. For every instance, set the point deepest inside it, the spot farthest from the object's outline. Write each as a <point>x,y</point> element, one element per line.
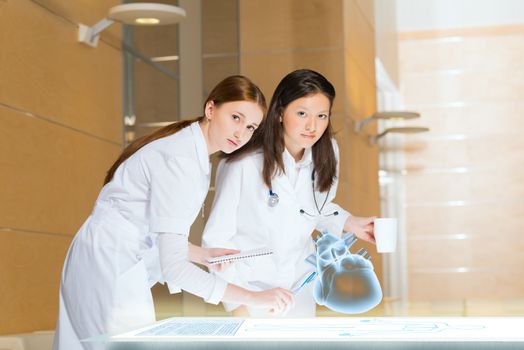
<point>273,199</point>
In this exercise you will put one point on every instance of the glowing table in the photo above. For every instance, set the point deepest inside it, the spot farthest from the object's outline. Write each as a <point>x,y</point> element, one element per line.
<point>325,333</point>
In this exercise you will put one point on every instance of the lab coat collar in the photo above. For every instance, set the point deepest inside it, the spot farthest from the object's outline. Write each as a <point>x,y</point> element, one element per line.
<point>201,148</point>
<point>306,160</point>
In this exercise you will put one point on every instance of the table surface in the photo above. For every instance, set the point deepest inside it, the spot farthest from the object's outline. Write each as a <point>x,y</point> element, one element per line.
<point>331,329</point>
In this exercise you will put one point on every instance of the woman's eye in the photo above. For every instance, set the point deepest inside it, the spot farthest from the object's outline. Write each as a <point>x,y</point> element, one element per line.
<point>301,114</point>
<point>235,117</point>
<point>251,128</point>
<point>323,116</point>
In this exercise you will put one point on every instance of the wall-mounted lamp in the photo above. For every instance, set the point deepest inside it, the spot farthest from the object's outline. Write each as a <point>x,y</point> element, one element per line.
<point>135,14</point>
<point>399,130</point>
<point>392,115</point>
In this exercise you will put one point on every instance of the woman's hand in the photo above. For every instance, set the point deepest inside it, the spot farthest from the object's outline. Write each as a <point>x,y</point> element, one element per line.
<point>201,255</point>
<point>362,227</point>
<point>214,252</point>
<point>278,300</point>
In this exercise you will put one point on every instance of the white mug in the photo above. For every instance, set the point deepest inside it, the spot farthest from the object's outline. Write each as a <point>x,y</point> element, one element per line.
<point>386,234</point>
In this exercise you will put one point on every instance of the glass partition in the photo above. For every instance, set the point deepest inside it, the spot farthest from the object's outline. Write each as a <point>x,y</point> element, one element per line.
<point>151,77</point>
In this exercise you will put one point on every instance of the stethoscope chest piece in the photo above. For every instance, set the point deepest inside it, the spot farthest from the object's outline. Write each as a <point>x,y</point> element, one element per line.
<point>273,199</point>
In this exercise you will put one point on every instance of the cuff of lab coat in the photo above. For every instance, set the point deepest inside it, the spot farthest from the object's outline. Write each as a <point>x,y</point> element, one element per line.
<point>218,291</point>
<point>167,224</point>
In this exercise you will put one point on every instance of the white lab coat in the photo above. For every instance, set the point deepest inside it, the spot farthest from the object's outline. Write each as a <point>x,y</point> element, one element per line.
<point>242,219</point>
<point>113,260</point>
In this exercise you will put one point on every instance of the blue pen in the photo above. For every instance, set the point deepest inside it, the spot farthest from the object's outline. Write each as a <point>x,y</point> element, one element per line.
<point>309,278</point>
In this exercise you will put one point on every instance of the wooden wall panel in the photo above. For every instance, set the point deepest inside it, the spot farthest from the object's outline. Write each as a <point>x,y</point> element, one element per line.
<point>362,168</point>
<point>360,37</point>
<point>156,94</point>
<point>61,117</point>
<point>46,71</point>
<point>220,43</point>
<point>327,62</point>
<point>368,11</point>
<point>30,268</point>
<point>51,174</point>
<point>79,11</point>
<point>220,27</point>
<point>288,25</point>
<point>357,88</point>
<point>216,69</point>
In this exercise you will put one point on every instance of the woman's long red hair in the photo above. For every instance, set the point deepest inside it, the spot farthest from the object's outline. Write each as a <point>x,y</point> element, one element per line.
<point>233,88</point>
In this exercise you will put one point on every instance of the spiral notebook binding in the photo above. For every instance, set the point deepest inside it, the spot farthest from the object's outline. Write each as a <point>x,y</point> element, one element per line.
<point>240,256</point>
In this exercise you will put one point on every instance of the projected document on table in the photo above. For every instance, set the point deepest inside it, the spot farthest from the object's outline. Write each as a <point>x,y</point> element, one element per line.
<point>381,328</point>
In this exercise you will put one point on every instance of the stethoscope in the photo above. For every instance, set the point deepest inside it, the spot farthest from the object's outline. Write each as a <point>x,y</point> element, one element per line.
<point>273,200</point>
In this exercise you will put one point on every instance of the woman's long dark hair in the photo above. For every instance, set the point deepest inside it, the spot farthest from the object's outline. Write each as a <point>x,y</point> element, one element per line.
<point>231,89</point>
<point>270,135</point>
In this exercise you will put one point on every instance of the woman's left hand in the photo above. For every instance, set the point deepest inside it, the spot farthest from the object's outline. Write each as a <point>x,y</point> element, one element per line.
<point>362,227</point>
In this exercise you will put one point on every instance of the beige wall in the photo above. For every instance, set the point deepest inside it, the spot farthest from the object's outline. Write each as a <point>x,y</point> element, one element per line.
<point>464,182</point>
<point>60,111</point>
<point>220,33</point>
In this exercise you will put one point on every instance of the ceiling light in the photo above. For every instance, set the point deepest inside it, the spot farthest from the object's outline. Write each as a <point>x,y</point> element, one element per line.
<point>134,14</point>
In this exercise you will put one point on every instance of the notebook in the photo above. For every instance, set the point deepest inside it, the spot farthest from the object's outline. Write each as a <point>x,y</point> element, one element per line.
<point>242,255</point>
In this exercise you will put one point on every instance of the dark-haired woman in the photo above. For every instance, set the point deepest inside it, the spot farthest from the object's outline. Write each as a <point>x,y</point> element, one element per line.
<point>278,189</point>
<point>137,234</point>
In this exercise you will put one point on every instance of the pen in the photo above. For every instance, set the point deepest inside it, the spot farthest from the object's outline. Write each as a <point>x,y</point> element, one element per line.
<point>310,278</point>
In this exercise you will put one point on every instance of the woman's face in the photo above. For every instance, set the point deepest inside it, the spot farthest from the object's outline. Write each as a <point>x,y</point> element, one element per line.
<point>232,124</point>
<point>304,121</point>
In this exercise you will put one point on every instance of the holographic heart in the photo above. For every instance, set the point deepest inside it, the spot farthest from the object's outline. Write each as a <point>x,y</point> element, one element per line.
<point>347,282</point>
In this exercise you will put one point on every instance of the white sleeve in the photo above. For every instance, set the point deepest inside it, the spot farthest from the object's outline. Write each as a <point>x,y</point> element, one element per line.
<point>333,223</point>
<point>173,202</point>
<point>179,271</point>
